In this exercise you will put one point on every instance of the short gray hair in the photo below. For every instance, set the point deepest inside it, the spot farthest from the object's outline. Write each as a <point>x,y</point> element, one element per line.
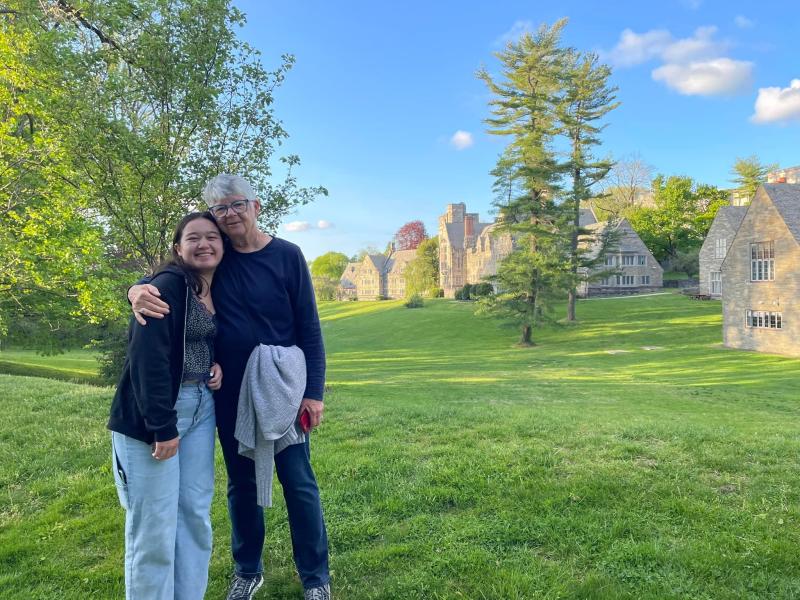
<point>224,185</point>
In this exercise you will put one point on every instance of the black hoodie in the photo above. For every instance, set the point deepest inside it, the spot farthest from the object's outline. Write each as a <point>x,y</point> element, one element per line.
<point>144,403</point>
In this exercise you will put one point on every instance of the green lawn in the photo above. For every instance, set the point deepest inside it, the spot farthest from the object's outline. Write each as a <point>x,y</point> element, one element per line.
<point>78,366</point>
<point>629,456</point>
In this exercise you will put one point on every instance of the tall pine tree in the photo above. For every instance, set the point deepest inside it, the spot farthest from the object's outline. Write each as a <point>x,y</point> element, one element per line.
<point>524,110</point>
<point>587,98</point>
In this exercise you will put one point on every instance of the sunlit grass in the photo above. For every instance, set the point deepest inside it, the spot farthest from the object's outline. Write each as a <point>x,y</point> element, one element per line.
<point>454,464</point>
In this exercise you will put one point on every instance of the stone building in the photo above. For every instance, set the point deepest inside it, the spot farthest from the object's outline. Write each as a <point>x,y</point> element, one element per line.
<point>347,282</point>
<point>760,275</point>
<point>715,247</point>
<point>635,269</point>
<point>468,249</point>
<point>788,175</point>
<point>375,277</point>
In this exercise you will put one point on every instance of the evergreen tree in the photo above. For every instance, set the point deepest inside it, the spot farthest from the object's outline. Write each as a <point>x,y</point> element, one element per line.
<point>587,98</point>
<point>523,109</point>
<point>748,173</point>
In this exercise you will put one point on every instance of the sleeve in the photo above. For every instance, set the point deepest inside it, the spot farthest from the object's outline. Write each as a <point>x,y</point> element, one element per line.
<point>150,355</point>
<point>307,327</point>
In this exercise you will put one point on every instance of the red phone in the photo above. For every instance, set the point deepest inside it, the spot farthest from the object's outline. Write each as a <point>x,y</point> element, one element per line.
<point>305,421</point>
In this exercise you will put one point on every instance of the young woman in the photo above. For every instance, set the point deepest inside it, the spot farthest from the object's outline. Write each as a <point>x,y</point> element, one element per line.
<point>162,423</point>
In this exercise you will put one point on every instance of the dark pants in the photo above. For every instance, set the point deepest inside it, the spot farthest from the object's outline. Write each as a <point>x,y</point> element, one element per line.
<point>309,539</point>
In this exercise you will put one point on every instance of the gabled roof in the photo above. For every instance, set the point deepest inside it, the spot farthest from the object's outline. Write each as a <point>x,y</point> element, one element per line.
<point>350,271</point>
<point>731,216</point>
<point>378,260</point>
<point>786,199</point>
<point>400,259</point>
<point>587,217</point>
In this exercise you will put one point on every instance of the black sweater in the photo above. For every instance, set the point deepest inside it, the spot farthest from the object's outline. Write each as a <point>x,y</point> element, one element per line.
<point>144,404</point>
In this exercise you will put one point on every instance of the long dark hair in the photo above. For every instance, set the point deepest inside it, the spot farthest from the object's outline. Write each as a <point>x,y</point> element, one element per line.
<point>192,276</point>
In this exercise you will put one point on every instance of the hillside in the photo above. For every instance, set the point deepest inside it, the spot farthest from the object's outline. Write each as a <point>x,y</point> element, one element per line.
<point>629,456</point>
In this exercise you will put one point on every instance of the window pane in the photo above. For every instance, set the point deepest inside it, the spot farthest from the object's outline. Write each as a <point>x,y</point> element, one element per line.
<point>779,319</point>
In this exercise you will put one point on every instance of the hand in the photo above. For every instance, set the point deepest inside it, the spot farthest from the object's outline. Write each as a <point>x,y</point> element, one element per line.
<point>165,450</point>
<point>215,382</point>
<point>145,302</point>
<point>314,408</point>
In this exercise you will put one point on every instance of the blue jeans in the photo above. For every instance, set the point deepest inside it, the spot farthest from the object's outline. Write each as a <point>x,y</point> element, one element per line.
<point>309,538</point>
<point>167,505</point>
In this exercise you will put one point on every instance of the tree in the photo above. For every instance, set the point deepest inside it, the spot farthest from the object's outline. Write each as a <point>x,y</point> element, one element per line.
<point>628,180</point>
<point>680,219</point>
<point>130,105</point>
<point>330,264</point>
<point>422,273</point>
<point>748,173</point>
<point>52,250</point>
<point>523,109</point>
<point>410,235</point>
<point>587,99</point>
<point>326,271</point>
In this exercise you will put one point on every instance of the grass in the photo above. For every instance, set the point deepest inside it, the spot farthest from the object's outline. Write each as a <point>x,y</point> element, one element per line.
<point>629,456</point>
<point>77,366</point>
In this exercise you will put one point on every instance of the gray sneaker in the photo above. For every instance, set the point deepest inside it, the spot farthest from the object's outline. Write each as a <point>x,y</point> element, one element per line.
<point>244,588</point>
<point>322,592</point>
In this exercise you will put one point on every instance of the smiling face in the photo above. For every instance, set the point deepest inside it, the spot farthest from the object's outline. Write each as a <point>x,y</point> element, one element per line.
<point>239,225</point>
<point>200,245</point>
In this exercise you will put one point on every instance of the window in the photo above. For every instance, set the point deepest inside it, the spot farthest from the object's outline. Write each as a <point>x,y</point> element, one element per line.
<point>628,260</point>
<point>763,319</point>
<point>641,260</point>
<point>628,280</point>
<point>610,260</point>
<point>645,279</point>
<point>762,261</point>
<point>605,281</point>
<point>721,248</point>
<point>716,282</point>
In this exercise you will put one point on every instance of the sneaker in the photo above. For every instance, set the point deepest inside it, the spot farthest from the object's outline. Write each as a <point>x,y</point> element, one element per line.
<point>322,592</point>
<point>244,588</point>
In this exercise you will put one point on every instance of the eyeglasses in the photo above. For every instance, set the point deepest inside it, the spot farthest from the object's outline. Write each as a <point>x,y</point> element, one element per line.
<point>220,210</point>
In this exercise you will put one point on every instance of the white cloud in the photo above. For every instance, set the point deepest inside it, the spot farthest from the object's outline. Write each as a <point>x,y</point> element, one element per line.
<point>692,4</point>
<point>513,34</point>
<point>323,224</point>
<point>297,226</point>
<point>709,78</point>
<point>461,140</point>
<point>775,104</point>
<point>694,65</point>
<point>635,48</point>
<point>743,22</point>
<point>698,47</point>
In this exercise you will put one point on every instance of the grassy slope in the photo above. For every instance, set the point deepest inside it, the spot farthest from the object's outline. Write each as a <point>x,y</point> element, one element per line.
<point>77,366</point>
<point>455,465</point>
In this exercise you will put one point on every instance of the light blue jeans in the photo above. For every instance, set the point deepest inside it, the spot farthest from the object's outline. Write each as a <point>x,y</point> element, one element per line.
<point>167,505</point>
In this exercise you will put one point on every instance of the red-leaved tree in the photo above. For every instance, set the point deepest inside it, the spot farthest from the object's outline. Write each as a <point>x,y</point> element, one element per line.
<point>410,235</point>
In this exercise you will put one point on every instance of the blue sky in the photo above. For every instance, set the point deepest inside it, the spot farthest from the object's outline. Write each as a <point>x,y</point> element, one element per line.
<point>381,90</point>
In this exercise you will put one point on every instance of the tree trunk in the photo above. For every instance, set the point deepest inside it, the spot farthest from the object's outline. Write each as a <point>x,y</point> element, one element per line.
<point>571,305</point>
<point>525,339</point>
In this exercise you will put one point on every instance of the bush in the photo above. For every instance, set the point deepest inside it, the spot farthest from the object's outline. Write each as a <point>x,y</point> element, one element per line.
<point>480,290</point>
<point>436,292</point>
<point>112,343</point>
<point>415,301</point>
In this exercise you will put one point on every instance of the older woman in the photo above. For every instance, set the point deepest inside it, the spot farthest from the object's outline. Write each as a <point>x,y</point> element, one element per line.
<point>162,422</point>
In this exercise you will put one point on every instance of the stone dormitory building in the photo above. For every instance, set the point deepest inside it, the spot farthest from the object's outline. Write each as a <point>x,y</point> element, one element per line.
<point>760,274</point>
<point>376,277</point>
<point>470,250</point>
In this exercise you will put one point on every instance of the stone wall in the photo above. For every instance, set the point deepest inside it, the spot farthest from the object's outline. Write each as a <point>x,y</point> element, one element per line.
<point>762,223</point>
